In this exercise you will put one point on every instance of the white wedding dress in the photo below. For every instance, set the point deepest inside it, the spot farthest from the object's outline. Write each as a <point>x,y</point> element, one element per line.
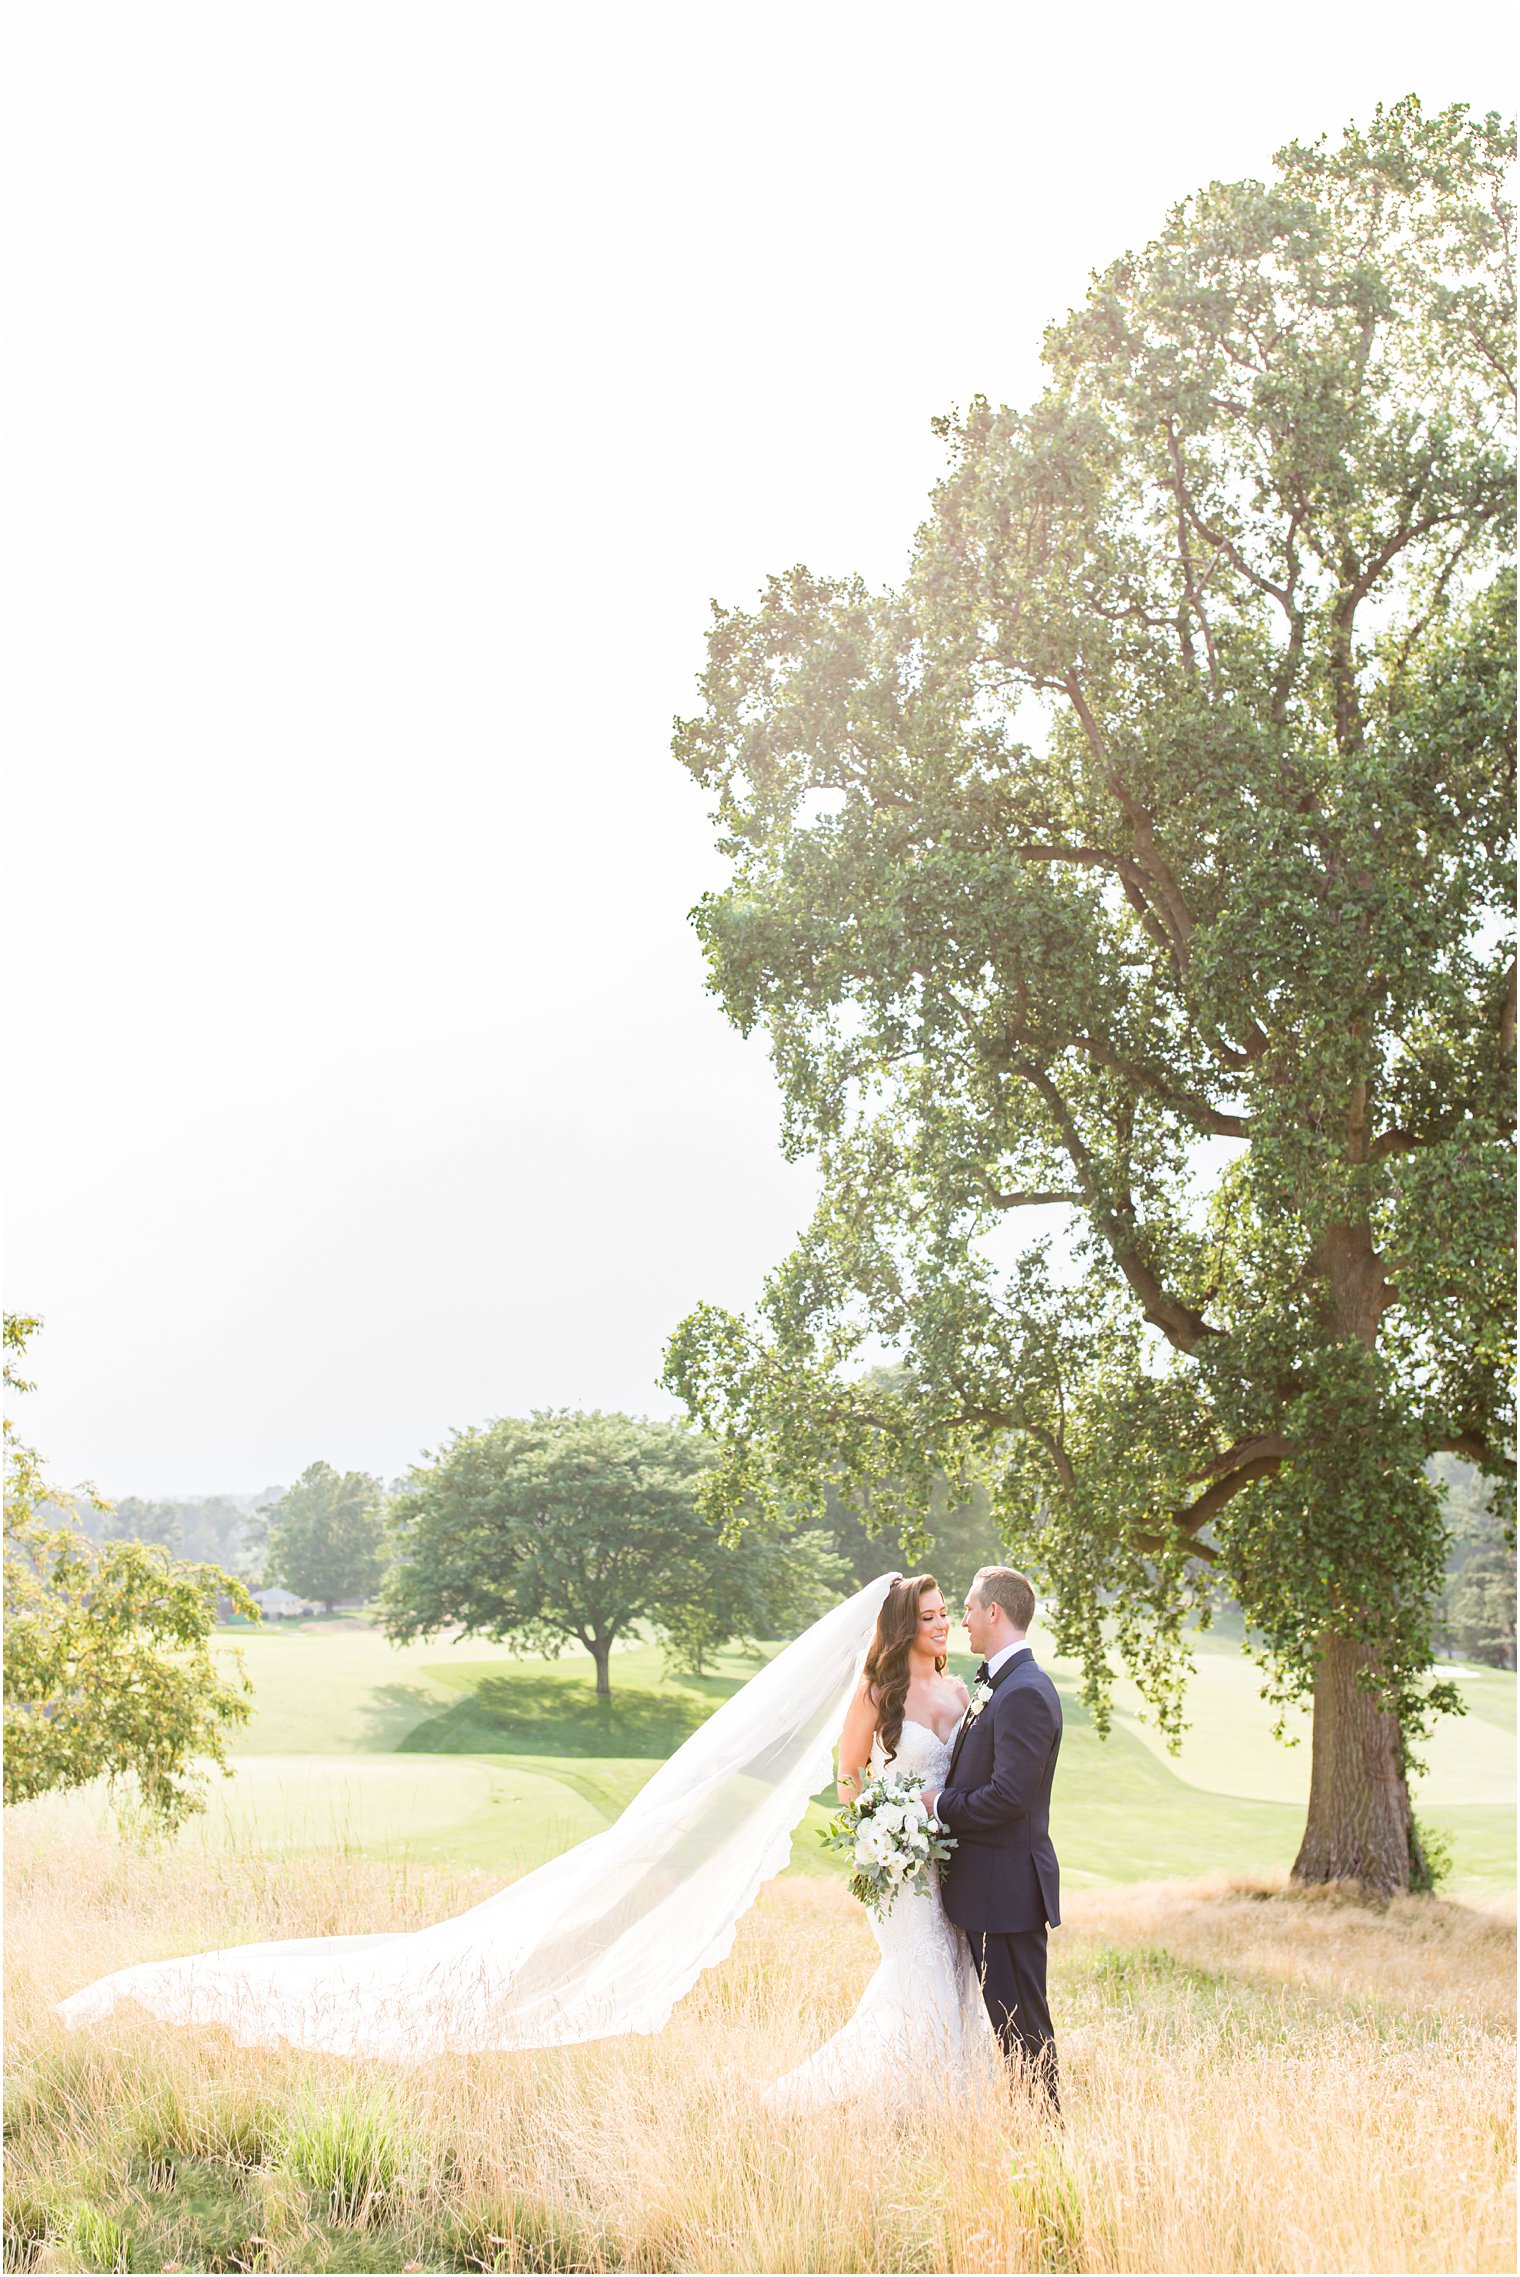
<point>922,2025</point>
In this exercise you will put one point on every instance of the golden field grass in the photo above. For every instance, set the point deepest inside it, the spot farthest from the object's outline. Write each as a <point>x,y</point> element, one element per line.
<point>1253,2081</point>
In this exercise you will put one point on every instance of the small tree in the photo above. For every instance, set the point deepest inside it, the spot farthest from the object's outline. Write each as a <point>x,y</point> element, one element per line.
<point>108,1670</point>
<point>564,1529</point>
<point>327,1535</point>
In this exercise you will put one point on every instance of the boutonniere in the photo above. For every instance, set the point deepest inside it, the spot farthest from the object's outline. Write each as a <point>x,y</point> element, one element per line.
<point>981,1693</point>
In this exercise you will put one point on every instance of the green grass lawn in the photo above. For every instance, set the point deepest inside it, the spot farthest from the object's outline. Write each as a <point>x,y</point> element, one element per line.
<point>465,1754</point>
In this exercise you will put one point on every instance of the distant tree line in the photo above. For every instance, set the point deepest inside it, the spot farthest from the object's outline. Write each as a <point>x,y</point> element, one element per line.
<point>221,1528</point>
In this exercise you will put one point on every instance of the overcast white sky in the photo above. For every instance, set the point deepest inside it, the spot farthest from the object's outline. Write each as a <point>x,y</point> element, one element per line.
<point>388,390</point>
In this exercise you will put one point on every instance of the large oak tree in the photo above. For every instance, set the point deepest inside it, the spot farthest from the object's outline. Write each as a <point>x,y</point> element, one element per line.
<point>1140,875</point>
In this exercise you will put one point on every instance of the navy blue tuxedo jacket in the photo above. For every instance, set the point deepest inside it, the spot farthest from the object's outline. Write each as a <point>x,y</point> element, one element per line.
<point>1003,1875</point>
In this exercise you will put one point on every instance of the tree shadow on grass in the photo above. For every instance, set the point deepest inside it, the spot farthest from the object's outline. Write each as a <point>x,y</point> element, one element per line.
<point>528,1710</point>
<point>525,1713</point>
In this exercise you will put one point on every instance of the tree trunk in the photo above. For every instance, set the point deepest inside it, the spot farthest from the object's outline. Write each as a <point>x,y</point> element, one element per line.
<point>601,1649</point>
<point>1359,1827</point>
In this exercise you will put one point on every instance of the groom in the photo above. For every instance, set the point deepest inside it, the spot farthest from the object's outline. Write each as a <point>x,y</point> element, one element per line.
<point>1002,1886</point>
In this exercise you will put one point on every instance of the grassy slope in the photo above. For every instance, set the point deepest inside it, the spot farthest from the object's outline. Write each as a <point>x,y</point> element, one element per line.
<point>465,1755</point>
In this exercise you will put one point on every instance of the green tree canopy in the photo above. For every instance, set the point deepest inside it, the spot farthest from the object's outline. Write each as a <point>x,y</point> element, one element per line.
<point>326,1536</point>
<point>1141,876</point>
<point>561,1529</point>
<point>108,1667</point>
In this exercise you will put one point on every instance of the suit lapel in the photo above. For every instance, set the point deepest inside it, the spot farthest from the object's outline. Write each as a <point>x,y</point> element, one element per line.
<point>1025,1652</point>
<point>955,1752</point>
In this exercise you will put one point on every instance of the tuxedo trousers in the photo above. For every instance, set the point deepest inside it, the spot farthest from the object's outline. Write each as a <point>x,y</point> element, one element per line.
<point>1011,1966</point>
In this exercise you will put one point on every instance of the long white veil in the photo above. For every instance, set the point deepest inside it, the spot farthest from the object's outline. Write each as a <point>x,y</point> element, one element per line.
<point>603,1939</point>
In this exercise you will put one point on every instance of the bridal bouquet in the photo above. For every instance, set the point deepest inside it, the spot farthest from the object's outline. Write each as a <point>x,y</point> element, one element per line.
<point>887,1834</point>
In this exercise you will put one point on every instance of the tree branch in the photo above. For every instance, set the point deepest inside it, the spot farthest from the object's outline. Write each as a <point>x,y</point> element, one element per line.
<point>1282,594</point>
<point>1199,1113</point>
<point>1128,872</point>
<point>1192,583</point>
<point>1405,535</point>
<point>1179,1324</point>
<point>1174,910</point>
<point>1248,1459</point>
<point>1476,1449</point>
<point>1056,1452</point>
<point>1207,1505</point>
<point>1437,594</point>
<point>1155,1542</point>
<point>1255,1449</point>
<point>1029,1200</point>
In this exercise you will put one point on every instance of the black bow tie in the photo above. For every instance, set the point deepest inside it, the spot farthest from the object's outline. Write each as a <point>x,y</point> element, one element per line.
<point>984,1674</point>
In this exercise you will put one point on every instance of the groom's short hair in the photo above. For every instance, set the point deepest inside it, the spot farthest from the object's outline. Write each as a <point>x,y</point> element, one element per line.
<point>1003,1585</point>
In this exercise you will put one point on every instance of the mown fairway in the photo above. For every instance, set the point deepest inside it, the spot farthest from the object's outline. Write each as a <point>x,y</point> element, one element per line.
<point>460,1754</point>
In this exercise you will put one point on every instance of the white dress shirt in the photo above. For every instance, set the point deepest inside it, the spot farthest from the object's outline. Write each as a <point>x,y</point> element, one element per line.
<point>1007,1653</point>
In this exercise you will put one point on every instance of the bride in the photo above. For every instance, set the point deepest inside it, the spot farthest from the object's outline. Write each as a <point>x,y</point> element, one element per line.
<point>924,2005</point>
<point>608,1936</point>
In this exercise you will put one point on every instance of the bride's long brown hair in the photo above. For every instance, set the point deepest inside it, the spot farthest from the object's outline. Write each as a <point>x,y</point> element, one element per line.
<point>886,1669</point>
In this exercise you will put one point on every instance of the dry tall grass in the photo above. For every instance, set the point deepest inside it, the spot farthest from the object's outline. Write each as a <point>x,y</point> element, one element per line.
<point>1253,2082</point>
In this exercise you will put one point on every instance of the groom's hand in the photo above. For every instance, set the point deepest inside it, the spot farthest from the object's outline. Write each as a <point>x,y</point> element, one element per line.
<point>930,1799</point>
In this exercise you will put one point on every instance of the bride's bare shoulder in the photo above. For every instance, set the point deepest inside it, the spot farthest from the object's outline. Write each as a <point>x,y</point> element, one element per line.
<point>958,1688</point>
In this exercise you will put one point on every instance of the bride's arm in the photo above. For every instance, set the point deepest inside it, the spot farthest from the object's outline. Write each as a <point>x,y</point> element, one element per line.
<point>855,1742</point>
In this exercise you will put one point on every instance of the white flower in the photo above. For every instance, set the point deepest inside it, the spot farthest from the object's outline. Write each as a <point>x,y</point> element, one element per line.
<point>890,1817</point>
<point>914,1813</point>
<point>872,1846</point>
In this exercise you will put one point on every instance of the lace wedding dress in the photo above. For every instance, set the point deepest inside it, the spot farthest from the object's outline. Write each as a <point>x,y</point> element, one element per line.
<point>921,2026</point>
